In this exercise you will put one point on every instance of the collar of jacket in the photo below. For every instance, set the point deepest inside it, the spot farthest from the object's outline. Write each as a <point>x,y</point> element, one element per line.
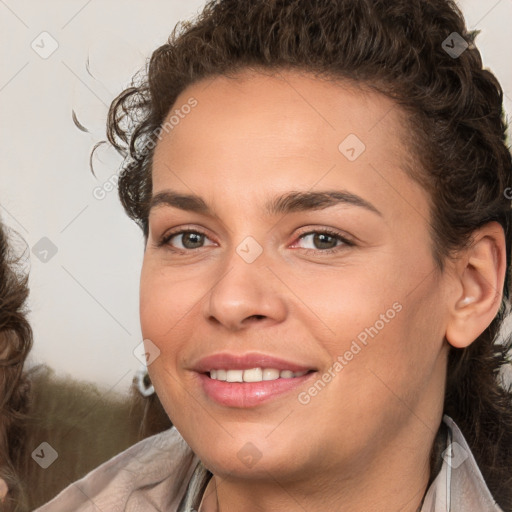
<point>459,484</point>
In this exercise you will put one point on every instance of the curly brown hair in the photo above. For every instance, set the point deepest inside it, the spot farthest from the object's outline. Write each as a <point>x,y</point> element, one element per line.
<point>457,134</point>
<point>15,344</point>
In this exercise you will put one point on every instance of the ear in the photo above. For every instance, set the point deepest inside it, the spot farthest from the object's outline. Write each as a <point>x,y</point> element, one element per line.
<point>479,274</point>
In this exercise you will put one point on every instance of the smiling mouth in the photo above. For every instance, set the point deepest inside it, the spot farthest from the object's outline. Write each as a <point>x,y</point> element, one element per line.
<point>251,387</point>
<point>253,374</point>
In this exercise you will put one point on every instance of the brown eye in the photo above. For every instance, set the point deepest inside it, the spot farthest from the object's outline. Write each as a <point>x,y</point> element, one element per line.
<point>324,241</point>
<point>185,240</point>
<point>191,240</point>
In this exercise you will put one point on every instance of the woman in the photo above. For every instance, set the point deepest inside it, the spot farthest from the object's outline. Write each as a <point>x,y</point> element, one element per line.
<point>323,188</point>
<point>15,344</point>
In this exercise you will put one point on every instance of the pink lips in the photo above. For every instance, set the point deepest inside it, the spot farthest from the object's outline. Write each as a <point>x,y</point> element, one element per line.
<point>245,362</point>
<point>248,394</point>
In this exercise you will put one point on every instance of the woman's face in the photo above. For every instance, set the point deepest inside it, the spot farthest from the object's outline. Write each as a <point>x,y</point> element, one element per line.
<point>272,275</point>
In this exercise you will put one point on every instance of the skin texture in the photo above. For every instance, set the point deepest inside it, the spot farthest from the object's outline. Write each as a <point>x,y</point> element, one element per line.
<point>363,441</point>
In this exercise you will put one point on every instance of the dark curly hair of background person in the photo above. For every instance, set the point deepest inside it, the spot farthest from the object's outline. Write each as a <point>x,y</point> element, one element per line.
<point>15,344</point>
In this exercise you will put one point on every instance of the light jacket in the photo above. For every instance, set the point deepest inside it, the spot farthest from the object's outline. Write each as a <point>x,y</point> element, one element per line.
<point>161,473</point>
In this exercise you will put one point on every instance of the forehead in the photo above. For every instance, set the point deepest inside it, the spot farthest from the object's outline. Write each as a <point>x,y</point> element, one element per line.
<point>294,106</point>
<point>291,127</point>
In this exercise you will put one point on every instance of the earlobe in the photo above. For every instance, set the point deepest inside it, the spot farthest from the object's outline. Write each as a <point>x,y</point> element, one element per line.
<point>480,272</point>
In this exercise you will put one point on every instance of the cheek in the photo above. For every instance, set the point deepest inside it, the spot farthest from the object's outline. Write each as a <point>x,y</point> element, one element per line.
<point>164,301</point>
<point>348,301</point>
<point>165,309</point>
<point>384,325</point>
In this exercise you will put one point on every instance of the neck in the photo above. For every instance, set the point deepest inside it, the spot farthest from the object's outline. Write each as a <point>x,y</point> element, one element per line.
<point>396,480</point>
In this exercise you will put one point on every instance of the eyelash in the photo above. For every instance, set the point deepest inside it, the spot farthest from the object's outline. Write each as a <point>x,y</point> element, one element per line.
<point>345,242</point>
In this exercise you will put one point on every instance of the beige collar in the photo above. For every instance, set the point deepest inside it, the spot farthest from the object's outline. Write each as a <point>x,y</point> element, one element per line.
<point>209,501</point>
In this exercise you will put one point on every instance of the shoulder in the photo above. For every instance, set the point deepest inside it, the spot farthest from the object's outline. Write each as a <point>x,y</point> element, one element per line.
<point>150,475</point>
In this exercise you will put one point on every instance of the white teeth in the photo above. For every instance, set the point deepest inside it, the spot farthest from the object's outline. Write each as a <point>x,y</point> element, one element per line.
<point>254,374</point>
<point>270,374</point>
<point>235,375</point>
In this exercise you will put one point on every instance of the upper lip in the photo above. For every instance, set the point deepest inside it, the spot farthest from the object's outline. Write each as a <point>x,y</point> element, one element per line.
<point>246,361</point>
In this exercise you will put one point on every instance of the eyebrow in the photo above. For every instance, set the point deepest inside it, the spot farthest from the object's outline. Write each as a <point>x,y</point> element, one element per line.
<point>286,203</point>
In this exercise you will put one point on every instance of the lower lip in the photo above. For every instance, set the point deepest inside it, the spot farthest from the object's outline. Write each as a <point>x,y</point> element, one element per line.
<point>249,394</point>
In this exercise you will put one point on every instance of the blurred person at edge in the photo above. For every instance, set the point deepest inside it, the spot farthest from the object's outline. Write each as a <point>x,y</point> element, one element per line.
<point>15,344</point>
<point>36,404</point>
<point>341,168</point>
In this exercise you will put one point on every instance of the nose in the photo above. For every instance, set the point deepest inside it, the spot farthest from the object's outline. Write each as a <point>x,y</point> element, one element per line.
<point>246,293</point>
